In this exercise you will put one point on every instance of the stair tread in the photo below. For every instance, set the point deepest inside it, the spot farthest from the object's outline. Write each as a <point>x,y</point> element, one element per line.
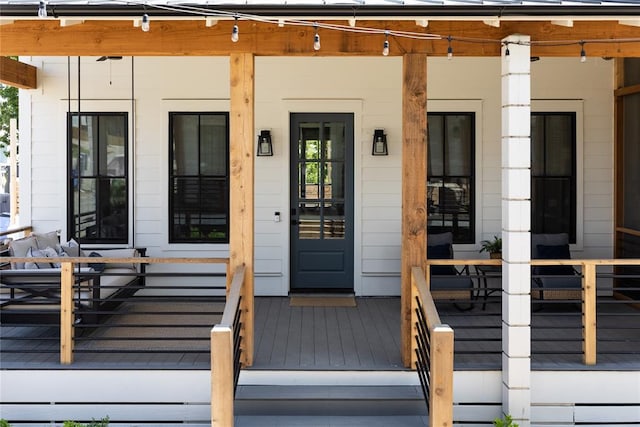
<point>331,421</point>
<point>328,392</point>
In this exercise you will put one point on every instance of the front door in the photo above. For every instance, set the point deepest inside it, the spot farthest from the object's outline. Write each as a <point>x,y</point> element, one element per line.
<point>321,202</point>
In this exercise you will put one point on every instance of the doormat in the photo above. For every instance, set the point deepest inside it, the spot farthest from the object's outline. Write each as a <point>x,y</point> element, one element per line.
<point>322,301</point>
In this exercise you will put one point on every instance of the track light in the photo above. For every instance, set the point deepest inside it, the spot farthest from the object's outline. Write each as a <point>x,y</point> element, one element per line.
<point>583,54</point>
<point>145,23</point>
<point>316,38</point>
<point>449,49</point>
<point>385,45</point>
<point>42,10</point>
<point>235,32</point>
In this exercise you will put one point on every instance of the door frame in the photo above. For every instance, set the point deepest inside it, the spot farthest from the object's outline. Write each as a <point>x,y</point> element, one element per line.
<point>355,107</point>
<point>346,245</point>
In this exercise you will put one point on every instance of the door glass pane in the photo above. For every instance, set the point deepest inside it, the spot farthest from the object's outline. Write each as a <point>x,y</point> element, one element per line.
<point>334,221</point>
<point>309,181</point>
<point>309,221</point>
<point>334,141</point>
<point>537,145</point>
<point>334,180</point>
<point>629,162</point>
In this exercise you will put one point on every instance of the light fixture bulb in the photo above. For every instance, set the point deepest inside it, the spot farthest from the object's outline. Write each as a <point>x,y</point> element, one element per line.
<point>42,10</point>
<point>583,54</point>
<point>235,32</point>
<point>449,49</point>
<point>352,22</point>
<point>145,23</point>
<point>316,39</point>
<point>385,45</point>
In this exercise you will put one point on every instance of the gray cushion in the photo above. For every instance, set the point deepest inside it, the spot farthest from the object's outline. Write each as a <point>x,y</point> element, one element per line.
<point>47,240</point>
<point>19,248</point>
<point>41,253</point>
<point>549,239</point>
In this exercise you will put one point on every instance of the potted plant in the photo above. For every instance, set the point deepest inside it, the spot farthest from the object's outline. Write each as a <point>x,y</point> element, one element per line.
<point>493,247</point>
<point>507,421</point>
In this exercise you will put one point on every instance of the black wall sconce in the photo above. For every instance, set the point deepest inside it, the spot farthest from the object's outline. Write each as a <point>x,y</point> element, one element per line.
<point>379,147</point>
<point>265,147</point>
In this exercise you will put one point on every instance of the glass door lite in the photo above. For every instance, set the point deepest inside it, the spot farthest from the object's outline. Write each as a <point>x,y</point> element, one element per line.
<point>322,202</point>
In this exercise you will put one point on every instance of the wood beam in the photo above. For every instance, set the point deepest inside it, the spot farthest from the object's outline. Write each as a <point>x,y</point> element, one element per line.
<point>18,74</point>
<point>414,183</point>
<point>241,198</point>
<point>180,38</point>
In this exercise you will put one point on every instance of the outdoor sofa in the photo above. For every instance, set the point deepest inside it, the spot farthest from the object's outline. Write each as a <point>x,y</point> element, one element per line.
<point>30,292</point>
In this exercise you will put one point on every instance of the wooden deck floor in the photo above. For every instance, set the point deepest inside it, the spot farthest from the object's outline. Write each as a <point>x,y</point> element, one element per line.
<point>365,337</point>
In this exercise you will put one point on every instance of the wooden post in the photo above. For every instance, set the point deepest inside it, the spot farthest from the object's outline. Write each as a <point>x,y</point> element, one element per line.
<point>66,313</point>
<point>242,173</point>
<point>441,384</point>
<point>414,182</point>
<point>589,313</point>
<point>222,376</point>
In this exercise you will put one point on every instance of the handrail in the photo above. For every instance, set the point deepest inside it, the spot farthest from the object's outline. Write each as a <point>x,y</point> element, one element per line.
<point>226,347</point>
<point>432,351</point>
<point>16,230</point>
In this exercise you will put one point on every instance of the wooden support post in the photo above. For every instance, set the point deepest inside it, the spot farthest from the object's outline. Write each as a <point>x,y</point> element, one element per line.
<point>589,313</point>
<point>66,313</point>
<point>242,174</point>
<point>441,384</point>
<point>414,182</point>
<point>222,395</point>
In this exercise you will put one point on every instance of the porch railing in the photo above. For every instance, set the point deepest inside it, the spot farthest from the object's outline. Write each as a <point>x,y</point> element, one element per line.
<point>163,317</point>
<point>606,323</point>
<point>432,351</point>
<point>226,351</point>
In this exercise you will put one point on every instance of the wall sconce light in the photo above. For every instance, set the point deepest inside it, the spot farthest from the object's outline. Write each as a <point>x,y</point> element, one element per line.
<point>265,147</point>
<point>379,143</point>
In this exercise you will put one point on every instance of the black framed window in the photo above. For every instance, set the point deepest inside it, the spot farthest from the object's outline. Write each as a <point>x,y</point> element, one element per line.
<point>553,173</point>
<point>98,177</point>
<point>451,174</point>
<point>199,177</point>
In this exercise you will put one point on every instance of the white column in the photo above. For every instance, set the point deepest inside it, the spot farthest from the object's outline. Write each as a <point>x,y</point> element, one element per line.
<point>516,225</point>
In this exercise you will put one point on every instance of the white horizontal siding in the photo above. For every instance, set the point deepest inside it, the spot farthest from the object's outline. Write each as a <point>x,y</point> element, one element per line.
<point>300,84</point>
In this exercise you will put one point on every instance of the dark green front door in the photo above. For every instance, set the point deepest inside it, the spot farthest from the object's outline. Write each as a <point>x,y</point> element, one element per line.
<point>321,202</point>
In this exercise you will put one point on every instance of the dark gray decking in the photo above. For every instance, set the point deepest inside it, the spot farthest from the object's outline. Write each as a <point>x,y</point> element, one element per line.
<point>365,337</point>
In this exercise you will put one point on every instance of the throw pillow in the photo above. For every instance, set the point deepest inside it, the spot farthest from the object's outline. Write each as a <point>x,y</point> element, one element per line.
<point>440,252</point>
<point>97,266</point>
<point>553,252</point>
<point>40,253</point>
<point>72,249</point>
<point>19,248</point>
<point>47,240</point>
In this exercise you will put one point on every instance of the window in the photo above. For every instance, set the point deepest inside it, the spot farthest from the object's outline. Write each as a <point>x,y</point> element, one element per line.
<point>198,178</point>
<point>98,177</point>
<point>553,173</point>
<point>450,170</point>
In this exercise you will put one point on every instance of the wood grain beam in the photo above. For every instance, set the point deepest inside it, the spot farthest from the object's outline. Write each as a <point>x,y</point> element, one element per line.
<point>18,74</point>
<point>414,182</point>
<point>241,119</point>
<point>179,38</point>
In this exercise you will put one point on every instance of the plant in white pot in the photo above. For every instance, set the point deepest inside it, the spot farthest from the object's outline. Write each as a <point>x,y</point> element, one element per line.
<point>493,247</point>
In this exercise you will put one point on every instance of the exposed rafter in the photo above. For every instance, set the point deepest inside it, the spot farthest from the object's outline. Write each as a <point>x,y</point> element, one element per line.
<point>18,74</point>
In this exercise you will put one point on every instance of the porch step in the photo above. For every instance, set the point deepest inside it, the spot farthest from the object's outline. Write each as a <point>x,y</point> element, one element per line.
<point>331,421</point>
<point>330,400</point>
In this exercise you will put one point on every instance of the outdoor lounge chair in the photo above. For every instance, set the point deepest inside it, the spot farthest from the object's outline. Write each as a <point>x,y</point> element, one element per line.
<point>554,281</point>
<point>446,281</point>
